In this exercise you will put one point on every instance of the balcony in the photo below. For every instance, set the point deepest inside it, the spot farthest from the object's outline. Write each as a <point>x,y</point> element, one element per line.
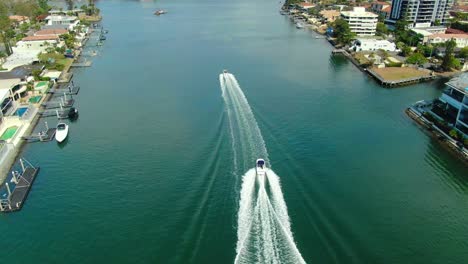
<point>456,95</point>
<point>444,111</point>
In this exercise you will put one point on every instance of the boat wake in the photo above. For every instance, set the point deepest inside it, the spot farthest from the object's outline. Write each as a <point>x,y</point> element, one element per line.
<point>264,230</point>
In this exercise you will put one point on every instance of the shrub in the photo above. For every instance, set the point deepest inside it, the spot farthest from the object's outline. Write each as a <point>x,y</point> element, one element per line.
<point>453,133</point>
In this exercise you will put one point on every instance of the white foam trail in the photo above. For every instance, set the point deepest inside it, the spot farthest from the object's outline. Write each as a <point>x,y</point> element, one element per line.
<point>264,230</point>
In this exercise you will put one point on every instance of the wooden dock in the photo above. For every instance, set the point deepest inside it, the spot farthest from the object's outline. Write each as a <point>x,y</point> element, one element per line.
<point>43,136</point>
<point>82,64</point>
<point>60,114</point>
<point>70,90</point>
<point>17,198</point>
<point>400,82</point>
<point>59,104</point>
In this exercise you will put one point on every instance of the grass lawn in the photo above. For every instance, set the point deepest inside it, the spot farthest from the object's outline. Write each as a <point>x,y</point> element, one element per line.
<point>66,62</point>
<point>399,73</point>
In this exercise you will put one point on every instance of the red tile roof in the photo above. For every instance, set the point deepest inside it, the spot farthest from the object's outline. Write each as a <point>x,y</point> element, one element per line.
<point>51,32</point>
<point>387,9</point>
<point>454,31</point>
<point>449,36</point>
<point>305,4</point>
<point>38,38</point>
<point>41,17</point>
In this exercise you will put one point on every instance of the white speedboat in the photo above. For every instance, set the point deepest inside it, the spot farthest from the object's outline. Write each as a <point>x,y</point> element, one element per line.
<point>61,133</point>
<point>299,25</point>
<point>260,167</point>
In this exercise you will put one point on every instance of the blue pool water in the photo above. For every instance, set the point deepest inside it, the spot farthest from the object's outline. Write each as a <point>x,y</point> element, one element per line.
<point>20,111</point>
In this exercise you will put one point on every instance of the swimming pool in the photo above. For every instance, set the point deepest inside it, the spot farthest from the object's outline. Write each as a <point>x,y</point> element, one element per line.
<point>35,99</point>
<point>9,133</point>
<point>20,111</point>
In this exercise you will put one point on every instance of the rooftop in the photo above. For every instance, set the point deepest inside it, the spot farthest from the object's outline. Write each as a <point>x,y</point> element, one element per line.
<point>454,31</point>
<point>8,83</point>
<point>55,27</point>
<point>39,38</point>
<point>387,9</point>
<point>423,32</point>
<point>20,58</point>
<point>449,36</point>
<point>57,31</point>
<point>19,72</point>
<point>305,4</point>
<point>61,18</point>
<point>460,83</point>
<point>359,12</point>
<point>373,40</point>
<point>18,18</point>
<point>4,93</point>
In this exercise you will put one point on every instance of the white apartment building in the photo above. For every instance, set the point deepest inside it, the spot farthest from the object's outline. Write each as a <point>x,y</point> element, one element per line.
<point>361,22</point>
<point>421,12</point>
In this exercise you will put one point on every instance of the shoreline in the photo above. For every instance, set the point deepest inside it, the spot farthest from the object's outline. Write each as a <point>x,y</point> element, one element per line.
<point>386,83</point>
<point>435,133</point>
<point>65,77</point>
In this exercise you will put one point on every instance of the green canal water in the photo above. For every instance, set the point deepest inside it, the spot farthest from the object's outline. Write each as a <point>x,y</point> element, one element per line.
<point>150,173</point>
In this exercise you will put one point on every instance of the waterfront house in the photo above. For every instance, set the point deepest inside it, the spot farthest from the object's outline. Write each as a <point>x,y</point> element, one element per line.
<point>360,21</point>
<point>51,32</point>
<point>18,20</point>
<point>75,12</point>
<point>39,43</point>
<point>460,39</point>
<point>365,44</point>
<point>330,15</point>
<point>68,22</point>
<point>304,6</point>
<point>452,106</point>
<point>422,32</point>
<point>16,87</point>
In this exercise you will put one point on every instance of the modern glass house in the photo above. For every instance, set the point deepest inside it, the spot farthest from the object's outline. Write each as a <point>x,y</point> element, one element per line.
<point>452,106</point>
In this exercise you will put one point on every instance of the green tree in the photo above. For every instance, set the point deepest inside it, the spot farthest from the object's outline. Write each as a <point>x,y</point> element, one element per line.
<point>463,53</point>
<point>5,25</point>
<point>449,62</point>
<point>406,50</point>
<point>381,29</point>
<point>342,31</point>
<point>416,58</point>
<point>437,22</point>
<point>69,39</point>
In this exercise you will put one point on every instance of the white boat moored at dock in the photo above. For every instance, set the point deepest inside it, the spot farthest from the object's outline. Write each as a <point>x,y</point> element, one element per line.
<point>62,132</point>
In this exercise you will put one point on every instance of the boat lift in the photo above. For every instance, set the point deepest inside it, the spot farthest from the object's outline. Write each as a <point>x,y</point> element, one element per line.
<point>71,89</point>
<point>42,136</point>
<point>64,102</point>
<point>23,182</point>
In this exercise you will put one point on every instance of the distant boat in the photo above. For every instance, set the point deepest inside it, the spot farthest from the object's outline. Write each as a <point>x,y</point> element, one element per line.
<point>62,132</point>
<point>160,12</point>
<point>299,25</point>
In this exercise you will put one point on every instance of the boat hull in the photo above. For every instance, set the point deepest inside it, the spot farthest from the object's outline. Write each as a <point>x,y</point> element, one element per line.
<point>61,135</point>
